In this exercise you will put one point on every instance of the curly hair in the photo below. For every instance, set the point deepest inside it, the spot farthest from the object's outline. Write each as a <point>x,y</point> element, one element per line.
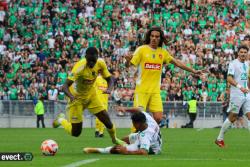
<point>147,36</point>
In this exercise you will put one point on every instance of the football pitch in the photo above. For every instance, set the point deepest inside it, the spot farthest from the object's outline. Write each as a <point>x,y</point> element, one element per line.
<point>181,147</point>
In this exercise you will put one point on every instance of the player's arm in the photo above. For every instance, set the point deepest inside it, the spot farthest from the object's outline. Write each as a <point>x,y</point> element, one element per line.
<point>135,58</point>
<point>129,109</point>
<point>232,82</point>
<point>111,81</point>
<point>181,65</point>
<point>128,59</point>
<point>123,150</point>
<point>65,89</point>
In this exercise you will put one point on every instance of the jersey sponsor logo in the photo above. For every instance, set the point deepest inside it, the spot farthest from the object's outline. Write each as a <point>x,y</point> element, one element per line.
<point>160,56</point>
<point>243,76</point>
<point>152,66</point>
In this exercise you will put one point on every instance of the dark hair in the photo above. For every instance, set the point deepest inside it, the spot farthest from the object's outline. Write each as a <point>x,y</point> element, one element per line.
<point>247,37</point>
<point>138,117</point>
<point>92,51</point>
<point>147,36</point>
<point>242,47</point>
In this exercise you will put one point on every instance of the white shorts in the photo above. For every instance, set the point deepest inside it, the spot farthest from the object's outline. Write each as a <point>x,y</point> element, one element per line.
<point>238,102</point>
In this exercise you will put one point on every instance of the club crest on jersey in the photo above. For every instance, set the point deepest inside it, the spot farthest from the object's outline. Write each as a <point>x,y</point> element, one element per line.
<point>152,66</point>
<point>160,56</point>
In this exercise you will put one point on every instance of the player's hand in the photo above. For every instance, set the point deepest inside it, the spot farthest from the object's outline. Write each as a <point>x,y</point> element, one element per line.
<point>244,90</point>
<point>121,149</point>
<point>200,73</point>
<point>72,98</point>
<point>107,91</point>
<point>128,57</point>
<point>120,109</point>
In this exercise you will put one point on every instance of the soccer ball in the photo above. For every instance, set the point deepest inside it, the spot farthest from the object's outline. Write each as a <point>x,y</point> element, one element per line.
<point>49,147</point>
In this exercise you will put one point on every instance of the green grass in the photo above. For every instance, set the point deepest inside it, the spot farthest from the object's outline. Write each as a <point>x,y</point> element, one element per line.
<point>182,147</point>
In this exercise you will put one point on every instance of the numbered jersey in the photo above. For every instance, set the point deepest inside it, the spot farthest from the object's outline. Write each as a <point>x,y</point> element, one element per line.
<point>239,71</point>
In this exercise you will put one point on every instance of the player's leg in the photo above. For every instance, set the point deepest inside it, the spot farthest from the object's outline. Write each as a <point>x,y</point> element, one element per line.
<point>105,119</point>
<point>248,120</point>
<point>246,111</point>
<point>96,107</point>
<point>240,120</point>
<point>97,127</point>
<point>233,110</point>
<point>101,129</point>
<point>101,125</point>
<point>73,125</point>
<point>106,150</point>
<point>155,106</point>
<point>140,100</point>
<point>76,129</point>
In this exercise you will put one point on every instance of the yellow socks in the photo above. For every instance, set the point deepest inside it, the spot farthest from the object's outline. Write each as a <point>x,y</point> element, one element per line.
<point>99,126</point>
<point>66,125</point>
<point>132,129</point>
<point>112,133</point>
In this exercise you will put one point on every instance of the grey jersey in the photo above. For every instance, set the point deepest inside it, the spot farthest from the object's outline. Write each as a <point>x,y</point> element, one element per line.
<point>239,71</point>
<point>150,138</point>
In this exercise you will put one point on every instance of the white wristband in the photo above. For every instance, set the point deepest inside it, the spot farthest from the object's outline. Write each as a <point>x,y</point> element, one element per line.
<point>239,86</point>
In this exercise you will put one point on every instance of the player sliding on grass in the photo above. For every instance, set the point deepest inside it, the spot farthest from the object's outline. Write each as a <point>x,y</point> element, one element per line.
<point>80,89</point>
<point>147,140</point>
<point>238,78</point>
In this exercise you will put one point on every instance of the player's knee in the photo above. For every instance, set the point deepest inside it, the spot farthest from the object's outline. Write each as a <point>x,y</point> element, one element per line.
<point>158,116</point>
<point>76,132</point>
<point>232,117</point>
<point>76,129</point>
<point>158,119</point>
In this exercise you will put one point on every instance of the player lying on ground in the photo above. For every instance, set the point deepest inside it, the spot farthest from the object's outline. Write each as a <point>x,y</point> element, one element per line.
<point>146,141</point>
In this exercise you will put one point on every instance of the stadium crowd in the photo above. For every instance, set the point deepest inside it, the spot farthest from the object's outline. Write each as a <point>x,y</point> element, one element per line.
<point>40,40</point>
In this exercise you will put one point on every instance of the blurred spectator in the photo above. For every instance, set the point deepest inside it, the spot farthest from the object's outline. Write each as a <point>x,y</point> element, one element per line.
<point>39,110</point>
<point>52,93</point>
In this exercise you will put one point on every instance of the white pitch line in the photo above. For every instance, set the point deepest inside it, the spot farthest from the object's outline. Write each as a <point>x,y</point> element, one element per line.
<point>79,163</point>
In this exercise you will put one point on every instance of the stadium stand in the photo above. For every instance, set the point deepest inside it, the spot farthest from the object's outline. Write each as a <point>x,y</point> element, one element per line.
<point>40,40</point>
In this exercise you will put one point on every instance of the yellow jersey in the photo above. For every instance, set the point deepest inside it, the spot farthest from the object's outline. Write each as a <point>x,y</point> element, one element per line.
<point>149,63</point>
<point>84,77</point>
<point>101,85</point>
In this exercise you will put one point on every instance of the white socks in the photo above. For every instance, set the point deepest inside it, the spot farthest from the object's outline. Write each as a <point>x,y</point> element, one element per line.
<point>104,150</point>
<point>224,128</point>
